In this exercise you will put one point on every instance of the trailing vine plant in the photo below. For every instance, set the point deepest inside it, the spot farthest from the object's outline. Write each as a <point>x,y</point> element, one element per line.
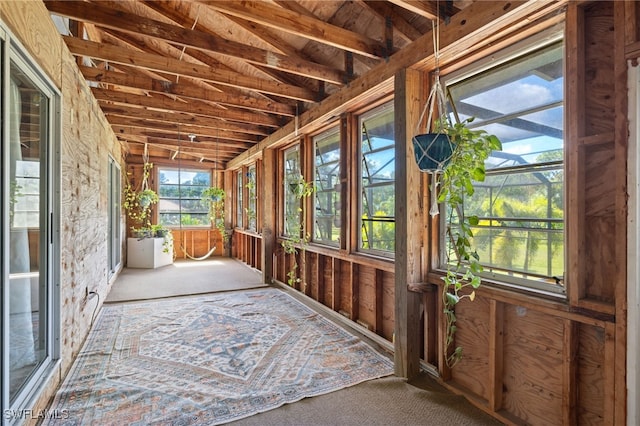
<point>214,196</point>
<point>138,201</point>
<point>297,238</point>
<point>467,165</point>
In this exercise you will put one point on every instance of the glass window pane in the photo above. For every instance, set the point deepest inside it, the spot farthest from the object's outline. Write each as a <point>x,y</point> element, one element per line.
<point>253,200</point>
<point>327,219</point>
<point>292,176</point>
<point>239,199</point>
<point>28,188</point>
<point>377,214</point>
<point>180,193</point>
<point>520,205</point>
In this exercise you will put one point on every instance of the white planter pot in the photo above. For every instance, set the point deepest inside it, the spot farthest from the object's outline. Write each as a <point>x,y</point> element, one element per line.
<point>147,253</point>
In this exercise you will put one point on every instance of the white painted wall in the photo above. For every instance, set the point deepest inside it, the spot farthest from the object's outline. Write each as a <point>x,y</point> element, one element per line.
<point>633,250</point>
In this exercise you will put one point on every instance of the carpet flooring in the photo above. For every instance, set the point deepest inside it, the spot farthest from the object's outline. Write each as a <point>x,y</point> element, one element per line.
<point>209,360</point>
<point>184,277</point>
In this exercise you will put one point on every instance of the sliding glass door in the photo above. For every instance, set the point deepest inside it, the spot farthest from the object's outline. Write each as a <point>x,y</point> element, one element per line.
<point>30,328</point>
<point>115,228</point>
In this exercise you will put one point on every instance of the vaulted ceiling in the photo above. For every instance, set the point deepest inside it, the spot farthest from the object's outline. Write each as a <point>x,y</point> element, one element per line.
<point>207,80</point>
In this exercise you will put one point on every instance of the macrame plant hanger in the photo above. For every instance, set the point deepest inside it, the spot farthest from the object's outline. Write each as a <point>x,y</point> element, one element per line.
<point>433,150</point>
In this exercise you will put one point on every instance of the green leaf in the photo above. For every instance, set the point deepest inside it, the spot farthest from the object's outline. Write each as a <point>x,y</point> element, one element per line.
<point>478,174</point>
<point>473,220</point>
<point>452,299</point>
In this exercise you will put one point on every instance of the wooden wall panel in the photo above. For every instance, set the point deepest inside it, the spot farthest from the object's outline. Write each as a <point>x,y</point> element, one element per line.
<point>196,242</point>
<point>599,91</point>
<point>590,375</point>
<point>345,288</point>
<point>598,161</point>
<point>532,379</point>
<point>366,283</point>
<point>388,300</point>
<point>601,263</point>
<point>472,334</point>
<point>86,143</point>
<point>600,187</point>
<point>330,275</point>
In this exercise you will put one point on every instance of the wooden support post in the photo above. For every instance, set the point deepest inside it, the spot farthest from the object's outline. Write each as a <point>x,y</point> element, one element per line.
<point>267,201</point>
<point>621,132</point>
<point>609,374</point>
<point>575,275</point>
<point>408,225</point>
<point>378,283</point>
<point>496,351</point>
<point>569,372</point>
<point>355,291</point>
<point>335,284</point>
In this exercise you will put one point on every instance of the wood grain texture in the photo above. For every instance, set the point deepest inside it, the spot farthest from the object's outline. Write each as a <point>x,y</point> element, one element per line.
<point>600,180</point>
<point>532,362</point>
<point>590,375</point>
<point>366,282</point>
<point>599,86</point>
<point>472,334</point>
<point>85,144</point>
<point>388,298</point>
<point>601,262</point>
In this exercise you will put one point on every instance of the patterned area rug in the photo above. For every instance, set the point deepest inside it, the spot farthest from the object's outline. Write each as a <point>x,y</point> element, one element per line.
<point>209,360</point>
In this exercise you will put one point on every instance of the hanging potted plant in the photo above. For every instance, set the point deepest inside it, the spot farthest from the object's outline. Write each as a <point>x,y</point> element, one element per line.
<point>213,194</point>
<point>147,197</point>
<point>214,197</point>
<point>454,154</point>
<point>466,165</point>
<point>138,202</point>
<point>297,238</point>
<point>433,150</point>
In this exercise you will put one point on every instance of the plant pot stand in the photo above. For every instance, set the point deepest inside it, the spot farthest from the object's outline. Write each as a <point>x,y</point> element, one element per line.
<point>147,253</point>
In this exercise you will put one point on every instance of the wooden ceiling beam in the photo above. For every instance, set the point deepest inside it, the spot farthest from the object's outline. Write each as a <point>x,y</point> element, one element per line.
<point>230,138</point>
<point>401,27</point>
<point>194,107</point>
<point>178,119</point>
<point>135,24</point>
<point>471,27</point>
<point>185,91</point>
<point>286,63</point>
<point>183,131</point>
<point>136,158</point>
<point>154,62</point>
<point>208,150</point>
<point>300,25</point>
<point>205,149</point>
<point>154,128</point>
<point>426,9</point>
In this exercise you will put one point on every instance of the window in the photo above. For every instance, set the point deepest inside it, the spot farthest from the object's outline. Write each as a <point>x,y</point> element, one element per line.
<point>180,193</point>
<point>115,207</point>
<point>520,237</point>
<point>29,225</point>
<point>239,199</point>
<point>377,202</point>
<point>292,177</point>
<point>326,212</point>
<point>252,201</point>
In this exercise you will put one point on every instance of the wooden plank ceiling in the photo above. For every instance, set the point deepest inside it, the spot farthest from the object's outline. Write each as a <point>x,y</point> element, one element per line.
<point>205,80</point>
